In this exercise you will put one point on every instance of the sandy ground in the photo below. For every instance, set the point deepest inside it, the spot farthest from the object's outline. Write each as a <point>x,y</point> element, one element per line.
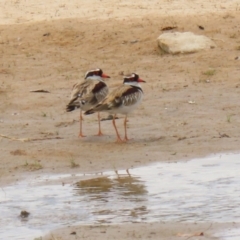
<point>191,103</point>
<point>153,231</point>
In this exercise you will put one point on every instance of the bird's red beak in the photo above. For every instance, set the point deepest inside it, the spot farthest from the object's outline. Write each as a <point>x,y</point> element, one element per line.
<point>105,76</point>
<point>140,80</point>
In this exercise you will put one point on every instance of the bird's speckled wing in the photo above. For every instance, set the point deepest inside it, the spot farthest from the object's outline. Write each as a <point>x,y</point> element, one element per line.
<point>97,94</point>
<point>123,96</point>
<point>91,92</point>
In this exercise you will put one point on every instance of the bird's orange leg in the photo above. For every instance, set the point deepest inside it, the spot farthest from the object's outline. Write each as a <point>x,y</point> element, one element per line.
<point>99,126</point>
<point>81,119</point>
<point>125,129</point>
<point>119,140</point>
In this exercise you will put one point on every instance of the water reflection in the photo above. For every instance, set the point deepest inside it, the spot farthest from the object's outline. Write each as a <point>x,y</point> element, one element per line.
<point>113,197</point>
<point>95,185</point>
<point>201,190</point>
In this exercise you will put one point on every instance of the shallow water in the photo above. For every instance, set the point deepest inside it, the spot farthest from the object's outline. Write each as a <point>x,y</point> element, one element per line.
<point>201,190</point>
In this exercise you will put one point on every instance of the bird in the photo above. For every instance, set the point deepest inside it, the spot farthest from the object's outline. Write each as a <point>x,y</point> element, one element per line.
<point>88,93</point>
<point>122,100</point>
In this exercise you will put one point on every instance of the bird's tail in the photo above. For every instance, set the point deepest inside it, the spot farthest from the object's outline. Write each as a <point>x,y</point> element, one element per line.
<point>72,106</point>
<point>88,112</point>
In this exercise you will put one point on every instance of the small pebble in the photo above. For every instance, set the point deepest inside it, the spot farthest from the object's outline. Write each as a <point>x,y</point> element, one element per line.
<point>24,214</point>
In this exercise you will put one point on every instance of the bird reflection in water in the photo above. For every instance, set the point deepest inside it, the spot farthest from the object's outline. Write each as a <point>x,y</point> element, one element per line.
<point>114,196</point>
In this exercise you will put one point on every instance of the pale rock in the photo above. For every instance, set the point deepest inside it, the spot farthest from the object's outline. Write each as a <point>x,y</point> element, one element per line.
<point>187,42</point>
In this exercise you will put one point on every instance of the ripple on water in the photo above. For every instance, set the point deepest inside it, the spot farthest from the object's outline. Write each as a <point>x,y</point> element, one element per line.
<point>201,190</point>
